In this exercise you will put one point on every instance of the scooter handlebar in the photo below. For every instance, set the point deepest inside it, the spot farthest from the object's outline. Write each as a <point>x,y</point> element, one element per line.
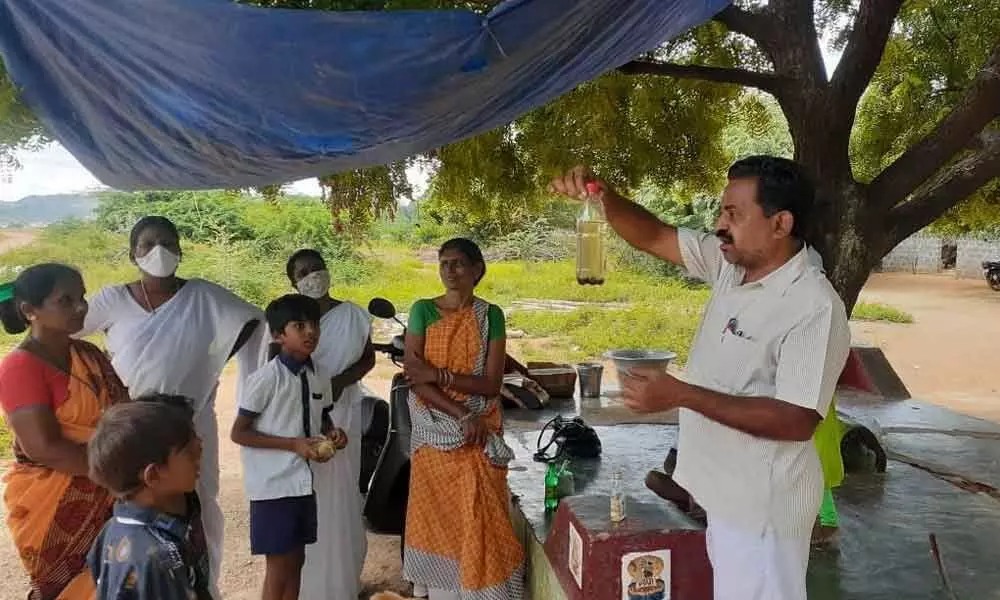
<point>386,348</point>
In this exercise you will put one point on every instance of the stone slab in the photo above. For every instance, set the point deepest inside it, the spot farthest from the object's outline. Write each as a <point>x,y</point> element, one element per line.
<point>867,369</point>
<point>931,436</point>
<point>635,449</point>
<point>884,551</point>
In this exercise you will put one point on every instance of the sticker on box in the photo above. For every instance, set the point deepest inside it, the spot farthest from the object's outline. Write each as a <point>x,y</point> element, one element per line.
<point>646,575</point>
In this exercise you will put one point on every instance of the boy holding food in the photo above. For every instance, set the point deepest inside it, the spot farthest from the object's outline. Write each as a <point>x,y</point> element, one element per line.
<point>283,424</point>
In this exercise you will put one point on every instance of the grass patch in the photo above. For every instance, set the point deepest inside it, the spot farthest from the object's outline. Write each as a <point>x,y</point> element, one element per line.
<point>873,311</point>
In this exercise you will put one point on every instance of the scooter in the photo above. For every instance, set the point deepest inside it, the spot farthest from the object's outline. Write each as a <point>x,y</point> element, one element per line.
<point>389,477</point>
<point>991,270</point>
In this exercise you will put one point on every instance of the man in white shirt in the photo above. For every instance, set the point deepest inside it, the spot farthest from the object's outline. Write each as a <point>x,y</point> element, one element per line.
<point>760,376</point>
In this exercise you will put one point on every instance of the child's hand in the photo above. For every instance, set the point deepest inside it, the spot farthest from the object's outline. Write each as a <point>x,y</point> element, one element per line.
<point>305,447</point>
<point>339,437</point>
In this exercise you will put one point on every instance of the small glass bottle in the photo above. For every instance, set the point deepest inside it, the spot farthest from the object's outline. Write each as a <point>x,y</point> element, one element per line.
<point>617,498</point>
<point>567,485</point>
<point>591,258</point>
<point>551,487</point>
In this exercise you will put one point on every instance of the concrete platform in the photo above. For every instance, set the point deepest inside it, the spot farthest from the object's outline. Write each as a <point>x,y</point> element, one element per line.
<point>942,476</point>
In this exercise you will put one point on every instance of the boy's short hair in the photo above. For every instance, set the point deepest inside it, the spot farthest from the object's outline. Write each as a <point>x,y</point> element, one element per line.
<point>289,308</point>
<point>133,435</point>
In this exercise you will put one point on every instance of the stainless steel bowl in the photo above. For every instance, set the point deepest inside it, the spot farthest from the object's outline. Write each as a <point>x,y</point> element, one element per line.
<point>650,359</point>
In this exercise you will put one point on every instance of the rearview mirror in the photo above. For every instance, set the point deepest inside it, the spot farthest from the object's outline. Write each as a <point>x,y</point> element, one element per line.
<point>381,308</point>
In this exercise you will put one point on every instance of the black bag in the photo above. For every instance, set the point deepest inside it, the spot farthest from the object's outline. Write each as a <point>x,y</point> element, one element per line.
<point>572,438</point>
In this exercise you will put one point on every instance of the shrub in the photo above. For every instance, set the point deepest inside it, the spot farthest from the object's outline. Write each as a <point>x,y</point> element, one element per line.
<point>535,242</point>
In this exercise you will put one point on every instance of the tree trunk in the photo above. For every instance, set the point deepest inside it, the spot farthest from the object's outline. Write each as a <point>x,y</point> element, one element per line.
<point>841,224</point>
<point>851,248</point>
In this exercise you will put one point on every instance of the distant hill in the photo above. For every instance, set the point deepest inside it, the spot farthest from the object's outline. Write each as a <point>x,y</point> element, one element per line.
<point>36,211</point>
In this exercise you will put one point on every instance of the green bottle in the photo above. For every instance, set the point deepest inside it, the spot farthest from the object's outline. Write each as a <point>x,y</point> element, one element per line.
<point>551,487</point>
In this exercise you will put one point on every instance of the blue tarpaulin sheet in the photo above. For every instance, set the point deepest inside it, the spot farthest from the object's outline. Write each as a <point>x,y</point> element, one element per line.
<point>196,94</point>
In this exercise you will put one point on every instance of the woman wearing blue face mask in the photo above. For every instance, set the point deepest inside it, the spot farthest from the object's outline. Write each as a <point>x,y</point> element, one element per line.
<point>171,335</point>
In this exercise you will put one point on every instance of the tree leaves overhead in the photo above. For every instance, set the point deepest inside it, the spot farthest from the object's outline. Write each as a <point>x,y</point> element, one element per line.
<point>934,53</point>
<point>18,126</point>
<point>356,196</point>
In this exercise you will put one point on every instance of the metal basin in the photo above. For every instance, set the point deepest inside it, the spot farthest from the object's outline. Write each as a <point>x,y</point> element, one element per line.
<point>649,359</point>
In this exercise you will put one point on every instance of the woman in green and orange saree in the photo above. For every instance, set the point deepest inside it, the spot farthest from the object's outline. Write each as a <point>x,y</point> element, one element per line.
<point>460,542</point>
<point>53,390</point>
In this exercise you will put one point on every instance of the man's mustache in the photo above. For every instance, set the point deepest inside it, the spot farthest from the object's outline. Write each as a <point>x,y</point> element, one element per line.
<point>723,235</point>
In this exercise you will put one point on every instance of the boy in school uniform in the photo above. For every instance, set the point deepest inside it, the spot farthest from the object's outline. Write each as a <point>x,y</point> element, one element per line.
<point>282,425</point>
<point>147,454</point>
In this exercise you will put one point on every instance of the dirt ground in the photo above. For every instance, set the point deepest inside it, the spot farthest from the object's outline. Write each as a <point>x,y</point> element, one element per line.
<point>946,356</point>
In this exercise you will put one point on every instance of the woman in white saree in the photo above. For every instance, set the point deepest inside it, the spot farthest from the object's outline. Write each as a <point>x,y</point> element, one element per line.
<point>175,336</point>
<point>333,564</point>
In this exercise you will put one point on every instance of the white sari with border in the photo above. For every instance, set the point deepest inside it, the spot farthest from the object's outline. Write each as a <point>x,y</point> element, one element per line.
<point>333,564</point>
<point>182,348</point>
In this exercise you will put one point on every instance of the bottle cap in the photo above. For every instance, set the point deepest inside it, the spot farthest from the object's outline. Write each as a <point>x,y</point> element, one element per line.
<point>593,187</point>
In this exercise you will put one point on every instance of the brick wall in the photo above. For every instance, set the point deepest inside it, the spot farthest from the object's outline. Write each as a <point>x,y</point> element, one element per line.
<point>915,254</point>
<point>971,254</point>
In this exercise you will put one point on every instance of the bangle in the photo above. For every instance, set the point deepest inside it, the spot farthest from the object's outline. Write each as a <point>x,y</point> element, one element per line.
<point>445,378</point>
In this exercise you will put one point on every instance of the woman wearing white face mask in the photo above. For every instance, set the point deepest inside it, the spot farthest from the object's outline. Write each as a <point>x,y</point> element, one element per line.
<point>333,564</point>
<point>172,335</point>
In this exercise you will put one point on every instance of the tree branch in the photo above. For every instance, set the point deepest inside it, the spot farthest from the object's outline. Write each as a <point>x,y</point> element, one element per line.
<point>978,107</point>
<point>768,82</point>
<point>754,25</point>
<point>863,51</point>
<point>796,49</point>
<point>759,25</point>
<point>946,189</point>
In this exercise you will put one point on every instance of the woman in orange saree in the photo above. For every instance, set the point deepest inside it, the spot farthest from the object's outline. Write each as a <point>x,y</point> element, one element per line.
<point>460,542</point>
<point>53,390</point>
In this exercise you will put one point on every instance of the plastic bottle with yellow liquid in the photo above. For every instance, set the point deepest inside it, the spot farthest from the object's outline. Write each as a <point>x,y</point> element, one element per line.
<point>591,258</point>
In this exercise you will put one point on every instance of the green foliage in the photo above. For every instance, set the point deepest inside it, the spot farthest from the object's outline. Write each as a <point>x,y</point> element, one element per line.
<point>18,126</point>
<point>358,196</point>
<point>629,129</point>
<point>873,311</point>
<point>976,216</point>
<point>757,127</point>
<point>244,222</point>
<point>535,242</point>
<point>676,206</point>
<point>199,216</point>
<point>933,55</point>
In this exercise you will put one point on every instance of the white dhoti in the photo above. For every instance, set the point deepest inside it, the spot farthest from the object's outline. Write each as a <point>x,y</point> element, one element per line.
<point>206,425</point>
<point>754,565</point>
<point>332,570</point>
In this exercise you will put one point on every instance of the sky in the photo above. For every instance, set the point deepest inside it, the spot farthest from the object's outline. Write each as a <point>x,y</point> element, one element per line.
<point>53,170</point>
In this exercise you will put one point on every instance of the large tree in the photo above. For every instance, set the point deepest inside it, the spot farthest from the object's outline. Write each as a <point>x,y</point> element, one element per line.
<point>903,130</point>
<point>888,163</point>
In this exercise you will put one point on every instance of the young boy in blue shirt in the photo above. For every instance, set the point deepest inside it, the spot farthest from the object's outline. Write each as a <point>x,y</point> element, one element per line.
<point>147,454</point>
<point>282,425</point>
